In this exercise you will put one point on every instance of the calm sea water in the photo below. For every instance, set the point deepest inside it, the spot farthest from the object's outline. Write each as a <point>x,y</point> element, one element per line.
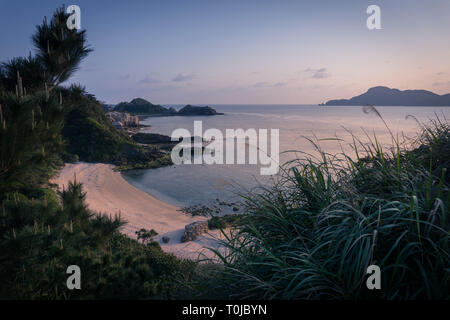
<point>184,185</point>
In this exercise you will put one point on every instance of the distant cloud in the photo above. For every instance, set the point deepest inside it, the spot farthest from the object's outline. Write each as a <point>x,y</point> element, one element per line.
<point>148,80</point>
<point>318,73</point>
<point>184,77</point>
<point>260,84</point>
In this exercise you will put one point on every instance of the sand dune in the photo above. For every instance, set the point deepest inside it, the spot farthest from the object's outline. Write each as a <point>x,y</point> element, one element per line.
<point>108,192</point>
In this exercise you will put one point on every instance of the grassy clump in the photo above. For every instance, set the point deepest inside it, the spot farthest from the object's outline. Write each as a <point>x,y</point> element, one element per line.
<point>314,233</point>
<point>226,221</point>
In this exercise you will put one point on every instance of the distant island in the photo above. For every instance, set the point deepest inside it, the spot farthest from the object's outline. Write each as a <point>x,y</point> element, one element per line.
<point>141,106</point>
<point>384,96</point>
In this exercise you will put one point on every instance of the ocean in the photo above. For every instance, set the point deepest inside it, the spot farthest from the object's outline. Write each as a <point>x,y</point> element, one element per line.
<point>187,185</point>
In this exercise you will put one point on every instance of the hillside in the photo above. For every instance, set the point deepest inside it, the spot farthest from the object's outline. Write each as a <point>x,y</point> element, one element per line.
<point>384,96</point>
<point>90,136</point>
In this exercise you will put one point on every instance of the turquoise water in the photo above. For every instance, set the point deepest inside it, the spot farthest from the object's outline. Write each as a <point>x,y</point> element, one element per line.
<point>184,185</point>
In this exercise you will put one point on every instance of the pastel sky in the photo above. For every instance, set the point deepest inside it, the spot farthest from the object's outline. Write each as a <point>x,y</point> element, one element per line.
<point>247,51</point>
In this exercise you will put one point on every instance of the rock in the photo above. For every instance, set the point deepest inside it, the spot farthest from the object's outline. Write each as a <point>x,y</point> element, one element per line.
<point>165,239</point>
<point>142,106</point>
<point>235,208</point>
<point>194,230</point>
<point>152,138</point>
<point>122,120</point>
<point>197,111</point>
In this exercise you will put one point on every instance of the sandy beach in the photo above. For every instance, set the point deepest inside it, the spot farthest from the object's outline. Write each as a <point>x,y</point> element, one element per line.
<point>108,192</point>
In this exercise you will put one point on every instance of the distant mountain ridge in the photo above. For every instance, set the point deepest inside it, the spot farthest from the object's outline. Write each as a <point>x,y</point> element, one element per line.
<point>143,107</point>
<point>384,96</point>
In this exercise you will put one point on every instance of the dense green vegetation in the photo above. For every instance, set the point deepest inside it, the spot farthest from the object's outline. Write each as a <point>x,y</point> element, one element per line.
<point>91,137</point>
<point>42,232</point>
<point>227,221</point>
<point>313,235</point>
<point>89,134</point>
<point>152,138</point>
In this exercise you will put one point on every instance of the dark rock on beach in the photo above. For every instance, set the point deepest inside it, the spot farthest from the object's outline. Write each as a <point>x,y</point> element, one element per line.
<point>194,230</point>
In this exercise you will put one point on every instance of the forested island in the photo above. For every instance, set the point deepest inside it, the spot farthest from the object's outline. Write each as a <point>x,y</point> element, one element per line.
<point>384,96</point>
<point>141,106</point>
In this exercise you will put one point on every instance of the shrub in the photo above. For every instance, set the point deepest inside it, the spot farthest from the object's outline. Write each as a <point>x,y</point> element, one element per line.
<point>313,235</point>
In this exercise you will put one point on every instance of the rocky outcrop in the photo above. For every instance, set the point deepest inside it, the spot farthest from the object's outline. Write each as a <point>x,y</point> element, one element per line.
<point>197,111</point>
<point>122,120</point>
<point>143,107</point>
<point>194,230</point>
<point>152,138</point>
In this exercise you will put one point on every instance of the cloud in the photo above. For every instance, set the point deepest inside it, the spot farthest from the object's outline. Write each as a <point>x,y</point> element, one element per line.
<point>148,80</point>
<point>318,73</point>
<point>260,84</point>
<point>184,77</point>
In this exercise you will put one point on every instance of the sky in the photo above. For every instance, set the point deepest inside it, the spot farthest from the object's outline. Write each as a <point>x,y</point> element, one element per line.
<point>246,51</point>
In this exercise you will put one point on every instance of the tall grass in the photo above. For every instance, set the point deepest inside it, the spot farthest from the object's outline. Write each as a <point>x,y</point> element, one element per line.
<point>313,234</point>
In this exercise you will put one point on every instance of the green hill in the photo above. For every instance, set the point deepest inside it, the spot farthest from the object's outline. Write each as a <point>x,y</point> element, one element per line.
<point>90,136</point>
<point>141,106</point>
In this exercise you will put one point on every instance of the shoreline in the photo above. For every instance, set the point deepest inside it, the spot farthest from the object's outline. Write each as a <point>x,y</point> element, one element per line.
<point>107,192</point>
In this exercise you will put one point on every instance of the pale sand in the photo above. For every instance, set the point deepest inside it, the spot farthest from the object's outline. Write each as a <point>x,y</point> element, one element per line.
<point>108,192</point>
